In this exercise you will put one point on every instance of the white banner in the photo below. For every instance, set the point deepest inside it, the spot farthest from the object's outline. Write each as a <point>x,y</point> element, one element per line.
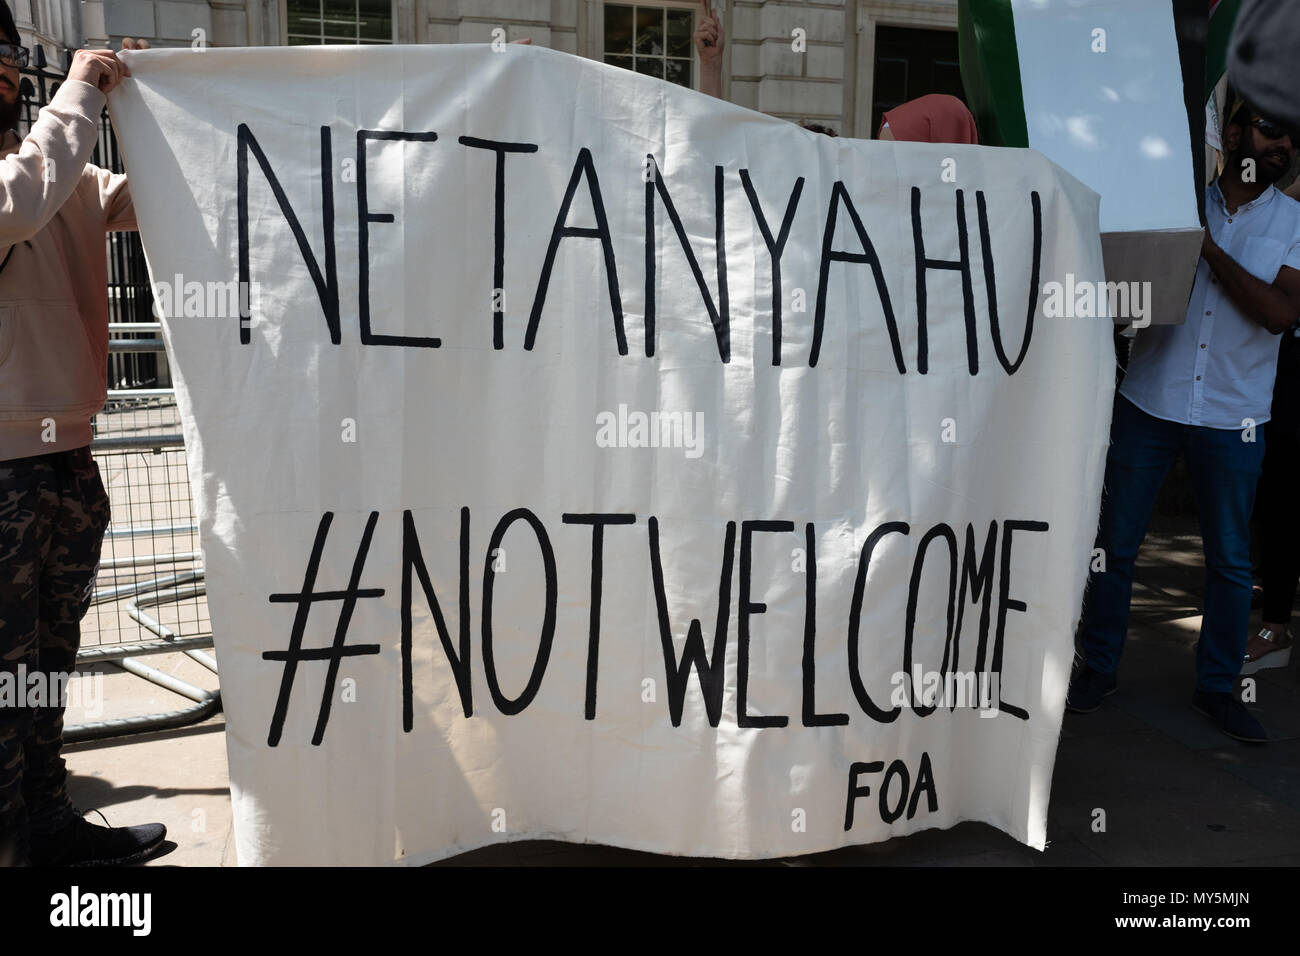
<point>581,457</point>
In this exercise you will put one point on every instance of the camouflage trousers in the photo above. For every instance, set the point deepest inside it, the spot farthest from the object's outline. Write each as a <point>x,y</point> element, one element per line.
<point>53,513</point>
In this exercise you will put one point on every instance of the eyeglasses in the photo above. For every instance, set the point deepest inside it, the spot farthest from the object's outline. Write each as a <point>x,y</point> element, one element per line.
<point>11,54</point>
<point>1269,129</point>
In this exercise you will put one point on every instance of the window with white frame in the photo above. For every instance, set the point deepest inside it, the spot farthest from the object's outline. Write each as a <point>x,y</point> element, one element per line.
<point>338,21</point>
<point>654,39</point>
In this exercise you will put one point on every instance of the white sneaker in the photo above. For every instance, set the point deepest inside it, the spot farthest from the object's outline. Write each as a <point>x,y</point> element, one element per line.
<point>1274,652</point>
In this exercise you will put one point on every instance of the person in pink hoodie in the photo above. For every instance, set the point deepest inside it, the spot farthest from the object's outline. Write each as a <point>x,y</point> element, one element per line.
<point>54,211</point>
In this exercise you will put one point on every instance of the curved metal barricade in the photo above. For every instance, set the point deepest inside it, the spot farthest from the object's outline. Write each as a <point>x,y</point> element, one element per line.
<point>149,593</point>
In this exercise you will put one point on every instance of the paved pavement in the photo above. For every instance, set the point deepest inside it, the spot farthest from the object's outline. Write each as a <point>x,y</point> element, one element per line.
<point>1175,792</point>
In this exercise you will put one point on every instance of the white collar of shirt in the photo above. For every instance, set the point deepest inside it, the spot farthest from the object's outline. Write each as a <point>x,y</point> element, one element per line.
<point>1262,199</point>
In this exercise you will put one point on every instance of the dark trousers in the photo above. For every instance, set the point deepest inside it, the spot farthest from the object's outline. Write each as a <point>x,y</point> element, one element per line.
<point>1279,526</point>
<point>1224,469</point>
<point>1277,512</point>
<point>53,513</point>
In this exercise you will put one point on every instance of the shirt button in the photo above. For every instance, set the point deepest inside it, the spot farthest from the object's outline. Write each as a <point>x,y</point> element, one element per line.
<point>1202,345</point>
<point>1229,219</point>
<point>1198,378</point>
<point>1207,311</point>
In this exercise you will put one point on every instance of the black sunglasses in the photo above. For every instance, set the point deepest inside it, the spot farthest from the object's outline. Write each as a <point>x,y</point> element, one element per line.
<point>1269,129</point>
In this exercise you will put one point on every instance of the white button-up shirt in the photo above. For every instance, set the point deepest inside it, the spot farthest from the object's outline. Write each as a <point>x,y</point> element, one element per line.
<point>1217,368</point>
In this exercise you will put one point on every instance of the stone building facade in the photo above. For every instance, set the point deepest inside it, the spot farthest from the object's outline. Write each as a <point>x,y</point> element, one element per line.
<point>835,62</point>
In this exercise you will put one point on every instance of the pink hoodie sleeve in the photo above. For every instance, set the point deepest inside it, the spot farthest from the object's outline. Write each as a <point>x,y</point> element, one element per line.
<point>61,141</point>
<point>115,200</point>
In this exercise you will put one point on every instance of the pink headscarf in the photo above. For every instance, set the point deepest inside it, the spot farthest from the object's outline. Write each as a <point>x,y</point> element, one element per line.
<point>933,118</point>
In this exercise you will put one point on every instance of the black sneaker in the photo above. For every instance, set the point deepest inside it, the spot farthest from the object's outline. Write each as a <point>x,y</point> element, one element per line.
<point>1087,688</point>
<point>82,843</point>
<point>1230,715</point>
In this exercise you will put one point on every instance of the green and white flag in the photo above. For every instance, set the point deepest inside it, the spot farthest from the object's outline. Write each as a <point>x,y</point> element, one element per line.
<point>1096,86</point>
<point>1223,14</point>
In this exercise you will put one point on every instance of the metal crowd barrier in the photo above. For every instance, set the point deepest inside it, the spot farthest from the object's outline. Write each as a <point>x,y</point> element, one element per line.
<point>149,593</point>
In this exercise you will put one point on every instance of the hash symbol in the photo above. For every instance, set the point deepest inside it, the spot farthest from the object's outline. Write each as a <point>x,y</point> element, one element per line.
<point>338,650</point>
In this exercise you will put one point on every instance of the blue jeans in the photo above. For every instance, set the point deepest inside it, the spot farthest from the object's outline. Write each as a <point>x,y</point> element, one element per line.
<point>1224,469</point>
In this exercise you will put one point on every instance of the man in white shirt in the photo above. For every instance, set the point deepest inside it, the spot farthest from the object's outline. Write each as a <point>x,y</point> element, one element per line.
<point>1203,389</point>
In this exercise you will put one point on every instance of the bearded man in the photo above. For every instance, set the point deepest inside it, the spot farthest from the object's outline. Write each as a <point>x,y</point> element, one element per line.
<point>1203,389</point>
